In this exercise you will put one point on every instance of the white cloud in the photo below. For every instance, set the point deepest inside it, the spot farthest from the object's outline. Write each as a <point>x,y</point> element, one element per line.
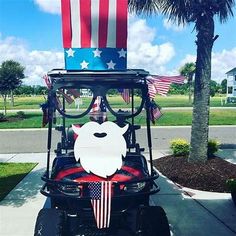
<point>222,62</point>
<point>50,6</point>
<point>188,58</point>
<point>36,63</point>
<point>169,25</point>
<point>143,52</point>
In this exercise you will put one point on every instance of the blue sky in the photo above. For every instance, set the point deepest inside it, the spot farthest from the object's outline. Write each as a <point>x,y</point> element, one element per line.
<point>30,32</point>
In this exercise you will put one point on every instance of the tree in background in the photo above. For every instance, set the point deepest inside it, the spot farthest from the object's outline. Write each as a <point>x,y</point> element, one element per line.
<point>224,86</point>
<point>30,90</point>
<point>11,75</point>
<point>214,88</point>
<point>188,70</point>
<point>202,14</point>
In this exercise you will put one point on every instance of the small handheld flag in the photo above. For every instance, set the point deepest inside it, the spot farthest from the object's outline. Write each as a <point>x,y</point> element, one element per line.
<point>155,111</point>
<point>100,193</point>
<point>125,95</point>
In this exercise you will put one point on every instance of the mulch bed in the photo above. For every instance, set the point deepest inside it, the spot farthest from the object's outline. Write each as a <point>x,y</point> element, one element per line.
<point>211,176</point>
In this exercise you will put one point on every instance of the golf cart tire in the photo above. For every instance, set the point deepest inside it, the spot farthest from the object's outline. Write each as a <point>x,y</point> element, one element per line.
<point>152,221</point>
<point>50,222</point>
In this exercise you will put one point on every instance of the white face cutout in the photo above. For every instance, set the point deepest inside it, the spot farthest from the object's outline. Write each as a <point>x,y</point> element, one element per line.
<point>100,147</point>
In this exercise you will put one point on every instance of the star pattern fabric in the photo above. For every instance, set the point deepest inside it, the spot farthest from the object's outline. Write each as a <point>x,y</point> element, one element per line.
<point>97,52</point>
<point>122,53</point>
<point>95,58</point>
<point>84,65</point>
<point>70,53</point>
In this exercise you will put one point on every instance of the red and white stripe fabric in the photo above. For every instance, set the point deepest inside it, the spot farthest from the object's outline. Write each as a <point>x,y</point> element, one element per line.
<point>162,87</point>
<point>67,97</point>
<point>96,105</point>
<point>125,94</point>
<point>94,23</point>
<point>47,81</point>
<point>74,92</point>
<point>151,90</point>
<point>161,84</point>
<point>178,79</point>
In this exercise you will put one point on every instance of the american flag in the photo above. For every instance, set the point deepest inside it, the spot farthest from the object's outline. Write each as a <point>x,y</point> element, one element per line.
<point>100,193</point>
<point>74,92</point>
<point>151,90</point>
<point>161,84</point>
<point>67,97</point>
<point>177,79</point>
<point>98,112</point>
<point>96,105</point>
<point>155,111</point>
<point>94,34</point>
<point>162,87</point>
<point>125,95</point>
<point>45,120</point>
<point>47,81</point>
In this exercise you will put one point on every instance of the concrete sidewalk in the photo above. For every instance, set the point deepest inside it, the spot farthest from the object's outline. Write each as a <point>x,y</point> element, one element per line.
<point>19,209</point>
<point>190,212</point>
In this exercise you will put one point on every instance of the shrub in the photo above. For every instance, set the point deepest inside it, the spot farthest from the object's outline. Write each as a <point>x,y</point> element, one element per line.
<point>2,117</point>
<point>231,184</point>
<point>21,115</point>
<point>179,147</point>
<point>213,146</point>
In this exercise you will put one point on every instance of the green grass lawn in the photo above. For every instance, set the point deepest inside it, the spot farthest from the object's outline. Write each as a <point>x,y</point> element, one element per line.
<point>170,117</point>
<point>33,102</point>
<point>182,101</point>
<point>11,174</point>
<point>24,103</point>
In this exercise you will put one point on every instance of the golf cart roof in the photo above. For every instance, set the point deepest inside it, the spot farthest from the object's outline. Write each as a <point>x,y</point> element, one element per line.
<point>131,75</point>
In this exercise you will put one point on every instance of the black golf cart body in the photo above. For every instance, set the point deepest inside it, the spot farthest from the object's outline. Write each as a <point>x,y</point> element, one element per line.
<point>69,196</point>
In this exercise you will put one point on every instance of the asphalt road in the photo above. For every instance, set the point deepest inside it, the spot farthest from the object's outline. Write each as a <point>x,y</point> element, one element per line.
<point>35,141</point>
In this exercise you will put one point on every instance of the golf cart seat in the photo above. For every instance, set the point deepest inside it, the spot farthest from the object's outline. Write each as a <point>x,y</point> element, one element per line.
<point>65,168</point>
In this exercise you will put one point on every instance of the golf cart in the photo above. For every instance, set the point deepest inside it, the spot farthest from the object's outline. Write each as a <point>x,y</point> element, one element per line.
<point>87,156</point>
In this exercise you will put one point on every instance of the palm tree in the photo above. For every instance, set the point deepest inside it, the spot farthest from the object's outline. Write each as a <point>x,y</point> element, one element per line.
<point>188,70</point>
<point>201,13</point>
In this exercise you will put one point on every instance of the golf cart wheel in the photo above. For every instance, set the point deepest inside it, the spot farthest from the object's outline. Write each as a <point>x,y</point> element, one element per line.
<point>50,222</point>
<point>152,221</point>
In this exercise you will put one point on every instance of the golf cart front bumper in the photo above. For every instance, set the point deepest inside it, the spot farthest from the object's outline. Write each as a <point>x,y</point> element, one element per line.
<point>71,195</point>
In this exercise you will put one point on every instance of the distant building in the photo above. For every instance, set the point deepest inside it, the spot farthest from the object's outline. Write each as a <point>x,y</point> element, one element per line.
<point>86,93</point>
<point>231,85</point>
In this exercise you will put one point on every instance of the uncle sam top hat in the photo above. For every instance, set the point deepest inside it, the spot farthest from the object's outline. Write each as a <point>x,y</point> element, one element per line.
<point>94,34</point>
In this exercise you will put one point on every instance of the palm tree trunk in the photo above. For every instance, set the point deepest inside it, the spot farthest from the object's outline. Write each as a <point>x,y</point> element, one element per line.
<point>200,129</point>
<point>190,93</point>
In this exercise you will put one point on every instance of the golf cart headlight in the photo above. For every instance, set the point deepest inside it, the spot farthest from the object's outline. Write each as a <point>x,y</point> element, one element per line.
<point>134,187</point>
<point>71,190</point>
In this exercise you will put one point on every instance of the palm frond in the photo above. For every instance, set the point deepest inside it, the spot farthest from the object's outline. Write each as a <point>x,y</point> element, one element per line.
<point>225,9</point>
<point>184,11</point>
<point>144,7</point>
